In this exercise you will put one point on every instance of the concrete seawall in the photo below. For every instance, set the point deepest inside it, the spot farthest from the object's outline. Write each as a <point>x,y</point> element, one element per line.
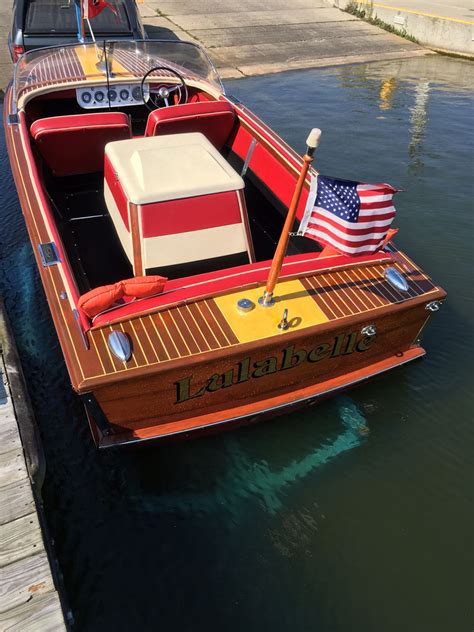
<point>445,26</point>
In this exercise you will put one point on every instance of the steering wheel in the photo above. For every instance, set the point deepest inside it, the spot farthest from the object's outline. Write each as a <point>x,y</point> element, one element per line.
<point>160,98</point>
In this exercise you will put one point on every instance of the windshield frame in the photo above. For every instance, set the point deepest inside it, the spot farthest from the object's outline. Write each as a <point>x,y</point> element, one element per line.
<point>18,94</point>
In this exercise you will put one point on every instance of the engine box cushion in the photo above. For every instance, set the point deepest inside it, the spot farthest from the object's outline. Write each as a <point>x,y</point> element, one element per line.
<point>75,144</point>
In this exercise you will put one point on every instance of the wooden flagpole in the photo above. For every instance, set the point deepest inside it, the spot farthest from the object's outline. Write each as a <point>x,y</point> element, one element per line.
<point>312,142</point>
<point>83,17</point>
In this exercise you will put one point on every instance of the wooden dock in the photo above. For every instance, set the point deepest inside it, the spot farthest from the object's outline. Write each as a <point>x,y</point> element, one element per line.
<point>29,600</point>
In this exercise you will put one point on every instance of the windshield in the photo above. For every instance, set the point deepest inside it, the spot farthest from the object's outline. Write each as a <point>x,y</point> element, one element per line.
<point>58,17</point>
<point>108,61</point>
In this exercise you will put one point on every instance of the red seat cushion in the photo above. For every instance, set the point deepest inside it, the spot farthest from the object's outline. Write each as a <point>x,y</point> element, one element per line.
<point>100,298</point>
<point>214,119</point>
<point>71,145</point>
<point>141,287</point>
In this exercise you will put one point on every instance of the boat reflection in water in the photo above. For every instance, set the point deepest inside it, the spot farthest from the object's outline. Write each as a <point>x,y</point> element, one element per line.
<point>253,481</point>
<point>155,203</point>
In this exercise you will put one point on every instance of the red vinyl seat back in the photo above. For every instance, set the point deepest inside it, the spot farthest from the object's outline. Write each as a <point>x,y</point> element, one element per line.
<point>214,119</point>
<point>71,145</point>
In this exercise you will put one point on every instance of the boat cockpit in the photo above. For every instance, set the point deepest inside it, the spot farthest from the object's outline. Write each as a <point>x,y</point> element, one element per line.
<point>144,163</point>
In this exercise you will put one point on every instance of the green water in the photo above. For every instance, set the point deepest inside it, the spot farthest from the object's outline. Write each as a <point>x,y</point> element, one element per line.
<point>354,515</point>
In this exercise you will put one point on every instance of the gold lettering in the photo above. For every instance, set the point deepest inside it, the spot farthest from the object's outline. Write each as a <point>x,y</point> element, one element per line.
<point>319,353</point>
<point>265,367</point>
<point>292,358</point>
<point>243,374</point>
<point>350,343</point>
<point>218,381</point>
<point>183,390</point>
<point>337,345</point>
<point>365,343</point>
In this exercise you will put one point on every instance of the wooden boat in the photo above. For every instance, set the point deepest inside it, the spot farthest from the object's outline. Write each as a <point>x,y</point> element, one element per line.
<point>119,194</point>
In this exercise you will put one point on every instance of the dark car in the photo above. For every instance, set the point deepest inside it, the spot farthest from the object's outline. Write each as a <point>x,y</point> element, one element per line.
<point>38,23</point>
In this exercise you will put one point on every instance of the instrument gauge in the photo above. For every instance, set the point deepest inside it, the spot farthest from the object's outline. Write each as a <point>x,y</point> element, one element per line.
<point>86,97</point>
<point>99,96</point>
<point>112,94</point>
<point>124,94</point>
<point>137,93</point>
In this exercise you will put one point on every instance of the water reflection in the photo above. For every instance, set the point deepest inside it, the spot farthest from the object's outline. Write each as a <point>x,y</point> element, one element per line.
<point>418,122</point>
<point>387,93</point>
<point>256,481</point>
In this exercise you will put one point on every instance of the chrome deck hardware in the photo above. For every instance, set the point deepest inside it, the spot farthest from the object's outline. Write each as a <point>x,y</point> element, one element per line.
<point>369,330</point>
<point>433,306</point>
<point>49,254</point>
<point>119,344</point>
<point>284,324</point>
<point>396,279</point>
<point>245,305</point>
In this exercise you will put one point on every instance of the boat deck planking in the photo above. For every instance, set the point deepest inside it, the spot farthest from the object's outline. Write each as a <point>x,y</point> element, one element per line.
<point>199,327</point>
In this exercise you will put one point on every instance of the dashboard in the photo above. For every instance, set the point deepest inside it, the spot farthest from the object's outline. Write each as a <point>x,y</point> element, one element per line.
<point>114,95</point>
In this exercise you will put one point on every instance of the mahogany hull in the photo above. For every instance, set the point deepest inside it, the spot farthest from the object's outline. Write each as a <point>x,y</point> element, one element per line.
<point>191,369</point>
<point>254,381</point>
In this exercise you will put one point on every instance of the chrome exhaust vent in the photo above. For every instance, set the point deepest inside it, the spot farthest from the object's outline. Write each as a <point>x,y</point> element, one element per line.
<point>119,344</point>
<point>396,279</point>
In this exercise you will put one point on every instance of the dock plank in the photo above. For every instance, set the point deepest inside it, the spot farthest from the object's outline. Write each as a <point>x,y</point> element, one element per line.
<point>43,615</point>
<point>24,580</point>
<point>12,467</point>
<point>9,437</point>
<point>29,601</point>
<point>19,539</point>
<point>16,500</point>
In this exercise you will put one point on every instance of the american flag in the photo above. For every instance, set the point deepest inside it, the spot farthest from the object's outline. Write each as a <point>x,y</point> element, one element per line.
<point>352,217</point>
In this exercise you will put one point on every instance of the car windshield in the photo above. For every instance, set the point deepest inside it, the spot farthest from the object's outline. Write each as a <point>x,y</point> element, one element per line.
<point>105,61</point>
<point>58,17</point>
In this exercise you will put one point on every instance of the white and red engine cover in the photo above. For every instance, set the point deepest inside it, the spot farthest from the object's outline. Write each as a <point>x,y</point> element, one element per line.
<point>174,199</point>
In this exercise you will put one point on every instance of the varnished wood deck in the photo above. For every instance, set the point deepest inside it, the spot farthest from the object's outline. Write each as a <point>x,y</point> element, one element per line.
<point>200,327</point>
<point>28,596</point>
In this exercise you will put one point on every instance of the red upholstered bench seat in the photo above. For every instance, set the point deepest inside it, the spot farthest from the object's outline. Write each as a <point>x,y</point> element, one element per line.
<point>193,287</point>
<point>214,119</point>
<point>72,145</point>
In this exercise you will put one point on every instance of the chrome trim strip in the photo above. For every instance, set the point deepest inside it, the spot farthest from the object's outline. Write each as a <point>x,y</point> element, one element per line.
<point>248,157</point>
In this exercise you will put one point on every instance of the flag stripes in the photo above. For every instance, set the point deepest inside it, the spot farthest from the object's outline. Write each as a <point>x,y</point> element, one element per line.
<point>352,217</point>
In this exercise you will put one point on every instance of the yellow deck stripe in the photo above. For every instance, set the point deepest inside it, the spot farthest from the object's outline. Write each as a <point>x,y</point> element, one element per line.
<point>262,322</point>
